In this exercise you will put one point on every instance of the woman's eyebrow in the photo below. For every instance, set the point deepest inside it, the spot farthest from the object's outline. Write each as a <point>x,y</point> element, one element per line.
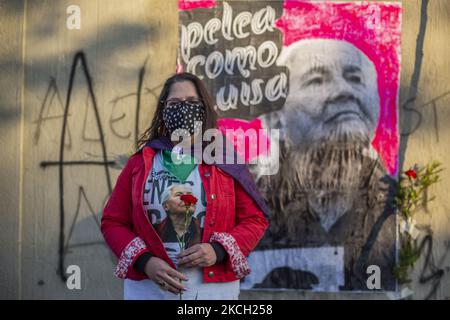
<point>314,70</point>
<point>352,69</point>
<point>190,97</point>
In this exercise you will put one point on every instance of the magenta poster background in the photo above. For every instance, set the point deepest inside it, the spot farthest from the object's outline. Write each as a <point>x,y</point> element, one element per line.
<point>372,27</point>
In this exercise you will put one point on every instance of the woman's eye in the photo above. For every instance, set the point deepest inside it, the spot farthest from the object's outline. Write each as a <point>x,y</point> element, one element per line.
<point>172,104</point>
<point>194,101</point>
<point>315,81</point>
<point>355,79</point>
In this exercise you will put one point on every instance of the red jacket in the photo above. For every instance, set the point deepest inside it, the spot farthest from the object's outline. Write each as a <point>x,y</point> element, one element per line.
<point>233,219</point>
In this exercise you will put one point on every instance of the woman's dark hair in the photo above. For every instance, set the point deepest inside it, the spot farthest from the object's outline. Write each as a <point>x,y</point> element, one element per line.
<point>157,128</point>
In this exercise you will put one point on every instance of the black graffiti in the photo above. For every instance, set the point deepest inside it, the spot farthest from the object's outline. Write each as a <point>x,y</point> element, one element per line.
<point>78,60</point>
<point>51,93</point>
<point>52,96</point>
<point>433,103</point>
<point>138,103</point>
<point>117,119</point>
<point>408,106</point>
<point>49,99</point>
<point>81,196</point>
<point>45,164</point>
<point>115,101</point>
<point>414,84</point>
<point>431,271</point>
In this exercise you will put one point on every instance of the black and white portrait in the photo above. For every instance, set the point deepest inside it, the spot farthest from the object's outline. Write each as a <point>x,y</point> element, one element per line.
<point>332,191</point>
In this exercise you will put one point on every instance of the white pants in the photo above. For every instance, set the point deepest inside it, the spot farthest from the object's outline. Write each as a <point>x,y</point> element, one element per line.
<point>196,289</point>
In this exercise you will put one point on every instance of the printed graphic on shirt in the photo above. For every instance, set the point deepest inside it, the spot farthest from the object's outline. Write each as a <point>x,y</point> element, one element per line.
<point>179,226</point>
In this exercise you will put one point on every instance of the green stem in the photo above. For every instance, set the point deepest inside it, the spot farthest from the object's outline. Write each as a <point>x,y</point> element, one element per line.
<point>181,242</point>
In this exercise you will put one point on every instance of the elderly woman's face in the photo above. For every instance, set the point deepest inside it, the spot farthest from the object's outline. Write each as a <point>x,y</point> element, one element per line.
<point>174,205</point>
<point>333,93</point>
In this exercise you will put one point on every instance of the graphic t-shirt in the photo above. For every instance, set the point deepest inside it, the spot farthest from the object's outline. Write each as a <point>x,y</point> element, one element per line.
<point>166,211</point>
<point>160,187</point>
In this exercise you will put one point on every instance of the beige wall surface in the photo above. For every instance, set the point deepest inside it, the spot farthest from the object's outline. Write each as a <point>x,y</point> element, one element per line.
<point>113,68</point>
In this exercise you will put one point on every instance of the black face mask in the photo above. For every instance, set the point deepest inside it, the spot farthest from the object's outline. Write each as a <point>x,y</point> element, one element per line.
<point>182,115</point>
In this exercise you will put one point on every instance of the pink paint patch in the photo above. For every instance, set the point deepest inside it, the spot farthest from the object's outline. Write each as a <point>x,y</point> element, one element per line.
<point>375,29</point>
<point>195,4</point>
<point>251,149</point>
<point>179,68</point>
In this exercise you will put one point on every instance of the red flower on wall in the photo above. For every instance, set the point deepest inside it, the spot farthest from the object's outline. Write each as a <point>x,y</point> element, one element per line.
<point>188,199</point>
<point>411,173</point>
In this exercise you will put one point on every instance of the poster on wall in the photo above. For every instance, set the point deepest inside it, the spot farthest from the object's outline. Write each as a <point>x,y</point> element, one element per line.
<point>324,74</point>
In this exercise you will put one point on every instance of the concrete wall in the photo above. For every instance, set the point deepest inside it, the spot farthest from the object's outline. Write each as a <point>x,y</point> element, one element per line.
<point>129,49</point>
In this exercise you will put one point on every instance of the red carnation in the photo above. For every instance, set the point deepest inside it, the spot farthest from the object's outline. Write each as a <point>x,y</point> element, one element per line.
<point>411,173</point>
<point>188,199</point>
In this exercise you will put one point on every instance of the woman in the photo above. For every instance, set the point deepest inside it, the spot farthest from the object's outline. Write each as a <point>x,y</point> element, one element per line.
<point>228,216</point>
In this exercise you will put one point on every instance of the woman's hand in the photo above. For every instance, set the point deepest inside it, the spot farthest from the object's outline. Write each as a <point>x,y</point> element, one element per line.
<point>162,273</point>
<point>199,255</point>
